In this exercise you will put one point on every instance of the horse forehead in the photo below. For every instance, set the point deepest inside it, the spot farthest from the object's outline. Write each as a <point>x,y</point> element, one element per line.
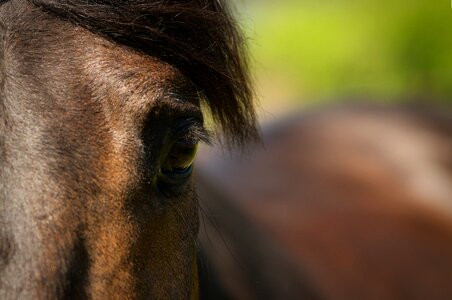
<point>80,62</point>
<point>127,79</point>
<point>113,61</point>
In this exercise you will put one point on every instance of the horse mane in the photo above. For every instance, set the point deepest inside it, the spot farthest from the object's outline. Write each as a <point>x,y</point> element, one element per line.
<point>199,37</point>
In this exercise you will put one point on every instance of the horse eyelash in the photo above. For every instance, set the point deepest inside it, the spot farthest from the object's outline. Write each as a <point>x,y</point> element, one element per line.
<point>198,133</point>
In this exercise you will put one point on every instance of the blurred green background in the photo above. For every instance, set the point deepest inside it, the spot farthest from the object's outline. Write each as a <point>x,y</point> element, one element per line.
<point>306,51</point>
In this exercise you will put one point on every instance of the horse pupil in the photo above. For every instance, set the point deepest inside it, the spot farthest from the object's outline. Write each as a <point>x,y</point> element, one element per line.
<point>181,156</point>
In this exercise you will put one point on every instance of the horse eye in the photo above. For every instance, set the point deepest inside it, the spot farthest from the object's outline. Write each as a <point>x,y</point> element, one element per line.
<point>180,158</point>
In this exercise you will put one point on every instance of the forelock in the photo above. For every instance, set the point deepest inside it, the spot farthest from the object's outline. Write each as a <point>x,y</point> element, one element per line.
<point>199,37</point>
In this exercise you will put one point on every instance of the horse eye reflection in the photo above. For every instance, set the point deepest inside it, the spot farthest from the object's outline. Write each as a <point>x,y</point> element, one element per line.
<point>181,156</point>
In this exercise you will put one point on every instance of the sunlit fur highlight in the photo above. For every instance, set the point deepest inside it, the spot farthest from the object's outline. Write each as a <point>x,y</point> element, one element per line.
<point>199,37</point>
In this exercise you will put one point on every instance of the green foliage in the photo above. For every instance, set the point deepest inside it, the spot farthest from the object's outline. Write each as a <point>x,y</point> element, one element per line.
<point>334,48</point>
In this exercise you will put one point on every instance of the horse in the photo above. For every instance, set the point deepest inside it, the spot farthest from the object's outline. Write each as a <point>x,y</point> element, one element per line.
<point>343,202</point>
<point>101,112</point>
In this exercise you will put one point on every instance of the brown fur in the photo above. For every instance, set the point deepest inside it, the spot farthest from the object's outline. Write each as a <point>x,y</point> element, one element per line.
<point>86,121</point>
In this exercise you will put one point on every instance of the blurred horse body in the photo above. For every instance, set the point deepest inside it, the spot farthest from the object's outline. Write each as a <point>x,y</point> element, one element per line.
<point>349,202</point>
